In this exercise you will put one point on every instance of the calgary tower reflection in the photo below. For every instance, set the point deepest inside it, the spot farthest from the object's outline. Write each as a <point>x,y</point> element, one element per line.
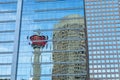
<point>38,42</point>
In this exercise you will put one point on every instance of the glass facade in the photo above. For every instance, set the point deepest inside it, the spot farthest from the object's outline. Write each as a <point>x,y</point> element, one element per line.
<point>103,27</point>
<point>8,10</point>
<point>64,57</point>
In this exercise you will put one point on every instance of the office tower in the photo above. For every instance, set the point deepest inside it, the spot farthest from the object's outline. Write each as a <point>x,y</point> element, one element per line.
<point>18,21</point>
<point>70,43</point>
<point>103,27</point>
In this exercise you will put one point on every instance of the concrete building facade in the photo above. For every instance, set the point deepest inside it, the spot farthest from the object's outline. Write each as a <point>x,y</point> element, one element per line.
<point>103,27</point>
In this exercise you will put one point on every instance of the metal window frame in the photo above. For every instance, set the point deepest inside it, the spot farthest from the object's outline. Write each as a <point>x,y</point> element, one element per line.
<point>8,11</point>
<point>17,41</point>
<point>8,2</point>
<point>58,9</point>
<point>55,19</point>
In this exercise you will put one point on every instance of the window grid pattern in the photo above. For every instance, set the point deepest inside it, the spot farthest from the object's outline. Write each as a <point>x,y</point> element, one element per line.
<point>103,24</point>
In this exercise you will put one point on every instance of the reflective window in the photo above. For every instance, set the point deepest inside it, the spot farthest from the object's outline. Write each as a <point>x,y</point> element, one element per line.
<point>60,23</point>
<point>7,35</point>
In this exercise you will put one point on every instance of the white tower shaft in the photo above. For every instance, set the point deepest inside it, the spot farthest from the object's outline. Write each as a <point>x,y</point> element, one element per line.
<point>36,64</point>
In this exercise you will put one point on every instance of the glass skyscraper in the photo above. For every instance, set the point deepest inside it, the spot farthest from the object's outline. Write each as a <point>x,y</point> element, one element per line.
<point>64,57</point>
<point>103,27</point>
<point>8,12</point>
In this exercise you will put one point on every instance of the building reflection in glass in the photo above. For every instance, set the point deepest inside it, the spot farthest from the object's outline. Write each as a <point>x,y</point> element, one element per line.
<point>38,43</point>
<point>70,51</point>
<point>64,56</point>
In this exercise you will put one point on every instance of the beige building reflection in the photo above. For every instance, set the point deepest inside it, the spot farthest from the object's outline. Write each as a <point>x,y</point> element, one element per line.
<point>70,61</point>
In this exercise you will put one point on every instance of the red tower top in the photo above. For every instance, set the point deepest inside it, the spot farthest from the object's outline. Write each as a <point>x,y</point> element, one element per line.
<point>38,41</point>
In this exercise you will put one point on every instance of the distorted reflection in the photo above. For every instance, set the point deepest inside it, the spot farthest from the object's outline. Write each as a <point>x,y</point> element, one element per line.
<point>63,57</point>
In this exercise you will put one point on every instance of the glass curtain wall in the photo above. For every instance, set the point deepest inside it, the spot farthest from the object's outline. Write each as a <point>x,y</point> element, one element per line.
<point>64,55</point>
<point>7,35</point>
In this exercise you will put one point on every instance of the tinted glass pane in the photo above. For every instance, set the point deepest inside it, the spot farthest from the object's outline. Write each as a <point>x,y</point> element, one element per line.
<point>61,23</point>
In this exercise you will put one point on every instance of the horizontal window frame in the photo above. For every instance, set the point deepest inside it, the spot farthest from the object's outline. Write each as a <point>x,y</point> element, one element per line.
<point>8,11</point>
<point>7,41</point>
<point>58,9</point>
<point>8,2</point>
<point>7,21</point>
<point>55,19</point>
<point>7,31</point>
<point>6,53</point>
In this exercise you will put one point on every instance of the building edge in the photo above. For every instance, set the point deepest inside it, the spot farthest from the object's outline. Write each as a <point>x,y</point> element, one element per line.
<point>85,23</point>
